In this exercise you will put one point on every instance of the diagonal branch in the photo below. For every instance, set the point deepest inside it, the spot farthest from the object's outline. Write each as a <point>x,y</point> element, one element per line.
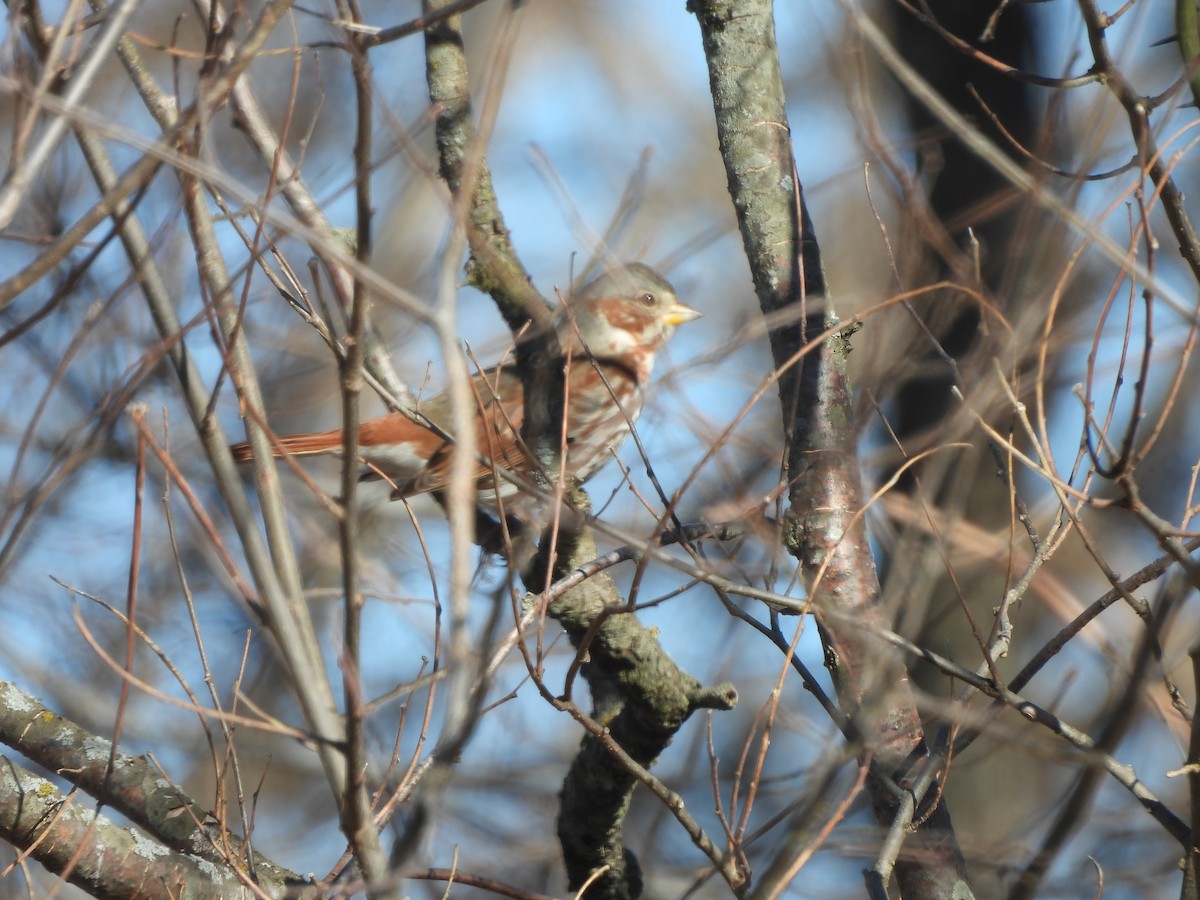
<point>133,788</point>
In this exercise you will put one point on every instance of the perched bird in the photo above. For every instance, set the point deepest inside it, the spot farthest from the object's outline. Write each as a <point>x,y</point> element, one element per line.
<point>609,332</point>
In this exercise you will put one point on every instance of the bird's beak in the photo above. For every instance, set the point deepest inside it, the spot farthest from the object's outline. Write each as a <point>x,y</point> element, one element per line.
<point>679,313</point>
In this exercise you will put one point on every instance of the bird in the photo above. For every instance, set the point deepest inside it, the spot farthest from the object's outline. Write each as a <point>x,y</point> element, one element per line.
<point>609,332</point>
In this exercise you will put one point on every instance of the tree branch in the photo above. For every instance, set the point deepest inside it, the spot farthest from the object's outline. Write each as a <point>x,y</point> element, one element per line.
<point>821,462</point>
<point>28,805</point>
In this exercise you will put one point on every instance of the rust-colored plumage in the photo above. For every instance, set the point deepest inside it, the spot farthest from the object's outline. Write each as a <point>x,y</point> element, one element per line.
<point>610,331</point>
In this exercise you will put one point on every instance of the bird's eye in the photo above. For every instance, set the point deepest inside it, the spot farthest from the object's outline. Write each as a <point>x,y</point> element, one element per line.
<point>647,299</point>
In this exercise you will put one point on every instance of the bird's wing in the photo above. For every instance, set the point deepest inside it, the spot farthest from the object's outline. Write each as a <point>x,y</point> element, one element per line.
<point>500,409</point>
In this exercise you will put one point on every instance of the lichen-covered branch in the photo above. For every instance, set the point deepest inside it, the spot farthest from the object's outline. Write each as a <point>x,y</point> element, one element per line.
<point>495,267</point>
<point>639,695</point>
<point>194,849</point>
<point>821,464</point>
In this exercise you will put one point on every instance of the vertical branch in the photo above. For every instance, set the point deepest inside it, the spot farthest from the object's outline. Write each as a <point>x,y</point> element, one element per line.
<point>1187,31</point>
<point>821,464</point>
<point>1191,862</point>
<point>275,572</point>
<point>290,621</point>
<point>475,219</point>
<point>495,268</point>
<point>357,824</point>
<point>647,699</point>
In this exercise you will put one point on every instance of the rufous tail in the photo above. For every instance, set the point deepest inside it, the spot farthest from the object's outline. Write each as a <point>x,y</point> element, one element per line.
<point>298,444</point>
